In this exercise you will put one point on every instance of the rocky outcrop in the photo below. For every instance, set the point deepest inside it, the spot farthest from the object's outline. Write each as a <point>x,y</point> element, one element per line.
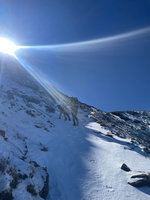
<point>45,190</point>
<point>6,195</point>
<point>2,133</point>
<point>31,189</point>
<point>140,180</point>
<point>12,176</point>
<point>127,124</point>
<point>125,167</point>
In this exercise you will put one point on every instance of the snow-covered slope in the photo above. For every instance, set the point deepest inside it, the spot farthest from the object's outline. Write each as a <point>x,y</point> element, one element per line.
<point>41,153</point>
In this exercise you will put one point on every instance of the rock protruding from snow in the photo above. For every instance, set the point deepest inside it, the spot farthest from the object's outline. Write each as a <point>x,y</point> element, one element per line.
<point>127,124</point>
<point>6,195</point>
<point>140,180</point>
<point>14,177</point>
<point>45,190</point>
<point>2,133</point>
<point>125,167</point>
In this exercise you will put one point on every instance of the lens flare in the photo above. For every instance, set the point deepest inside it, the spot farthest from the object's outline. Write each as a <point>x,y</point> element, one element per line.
<point>90,44</point>
<point>7,46</point>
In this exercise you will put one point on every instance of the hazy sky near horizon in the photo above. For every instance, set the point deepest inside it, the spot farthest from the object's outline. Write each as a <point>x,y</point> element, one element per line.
<point>111,76</point>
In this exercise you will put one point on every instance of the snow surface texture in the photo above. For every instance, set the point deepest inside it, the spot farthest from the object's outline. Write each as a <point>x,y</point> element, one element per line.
<point>83,162</point>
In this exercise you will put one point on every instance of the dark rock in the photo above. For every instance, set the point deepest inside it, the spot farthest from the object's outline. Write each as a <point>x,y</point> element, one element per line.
<point>141,180</point>
<point>3,164</point>
<point>146,176</point>
<point>125,167</point>
<point>143,128</point>
<point>44,149</point>
<point>22,176</point>
<point>29,112</point>
<point>6,195</point>
<point>46,129</point>
<point>136,121</point>
<point>13,184</point>
<point>37,126</point>
<point>44,192</point>
<point>121,115</point>
<point>146,150</point>
<point>23,158</point>
<point>30,188</point>
<point>15,181</point>
<point>109,135</point>
<point>5,138</point>
<point>35,163</point>
<point>16,177</point>
<point>2,133</point>
<point>32,172</point>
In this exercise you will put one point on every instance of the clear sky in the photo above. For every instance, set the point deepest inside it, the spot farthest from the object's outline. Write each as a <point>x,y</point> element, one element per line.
<point>110,76</point>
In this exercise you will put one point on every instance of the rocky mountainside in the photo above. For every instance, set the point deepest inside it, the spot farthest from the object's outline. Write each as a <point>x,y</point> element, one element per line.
<point>43,157</point>
<point>25,108</point>
<point>134,125</point>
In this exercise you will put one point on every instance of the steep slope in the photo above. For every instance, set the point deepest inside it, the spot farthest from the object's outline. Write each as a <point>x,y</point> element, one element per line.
<point>128,124</point>
<point>41,153</point>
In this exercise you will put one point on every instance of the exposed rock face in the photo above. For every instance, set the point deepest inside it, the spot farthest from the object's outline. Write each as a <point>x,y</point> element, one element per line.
<point>31,190</point>
<point>140,180</point>
<point>125,167</point>
<point>24,103</point>
<point>45,190</point>
<point>2,133</point>
<point>146,150</point>
<point>128,124</point>
<point>12,177</point>
<point>6,195</point>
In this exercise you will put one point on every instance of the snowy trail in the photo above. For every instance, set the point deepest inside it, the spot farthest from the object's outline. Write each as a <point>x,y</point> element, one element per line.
<point>85,165</point>
<point>67,149</point>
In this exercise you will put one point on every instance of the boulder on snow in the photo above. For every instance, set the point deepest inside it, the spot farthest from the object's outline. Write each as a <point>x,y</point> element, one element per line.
<point>6,195</point>
<point>31,189</point>
<point>3,164</point>
<point>16,177</point>
<point>146,150</point>
<point>109,135</point>
<point>140,180</point>
<point>45,190</point>
<point>125,167</point>
<point>2,133</point>
<point>44,148</point>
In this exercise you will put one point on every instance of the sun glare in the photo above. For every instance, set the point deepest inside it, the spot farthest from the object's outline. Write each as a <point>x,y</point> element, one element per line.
<point>7,47</point>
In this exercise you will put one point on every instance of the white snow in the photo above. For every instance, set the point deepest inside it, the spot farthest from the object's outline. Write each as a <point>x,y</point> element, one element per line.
<point>84,165</point>
<point>83,162</point>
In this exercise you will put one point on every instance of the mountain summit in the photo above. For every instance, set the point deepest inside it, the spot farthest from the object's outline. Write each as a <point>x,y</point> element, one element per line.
<point>44,157</point>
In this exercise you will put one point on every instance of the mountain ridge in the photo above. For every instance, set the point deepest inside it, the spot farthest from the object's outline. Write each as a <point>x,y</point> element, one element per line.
<point>43,157</point>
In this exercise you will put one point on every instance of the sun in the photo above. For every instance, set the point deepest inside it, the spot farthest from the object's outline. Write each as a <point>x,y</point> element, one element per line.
<point>7,46</point>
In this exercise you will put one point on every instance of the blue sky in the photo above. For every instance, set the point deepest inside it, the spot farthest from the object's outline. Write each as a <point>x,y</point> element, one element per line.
<point>112,76</point>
